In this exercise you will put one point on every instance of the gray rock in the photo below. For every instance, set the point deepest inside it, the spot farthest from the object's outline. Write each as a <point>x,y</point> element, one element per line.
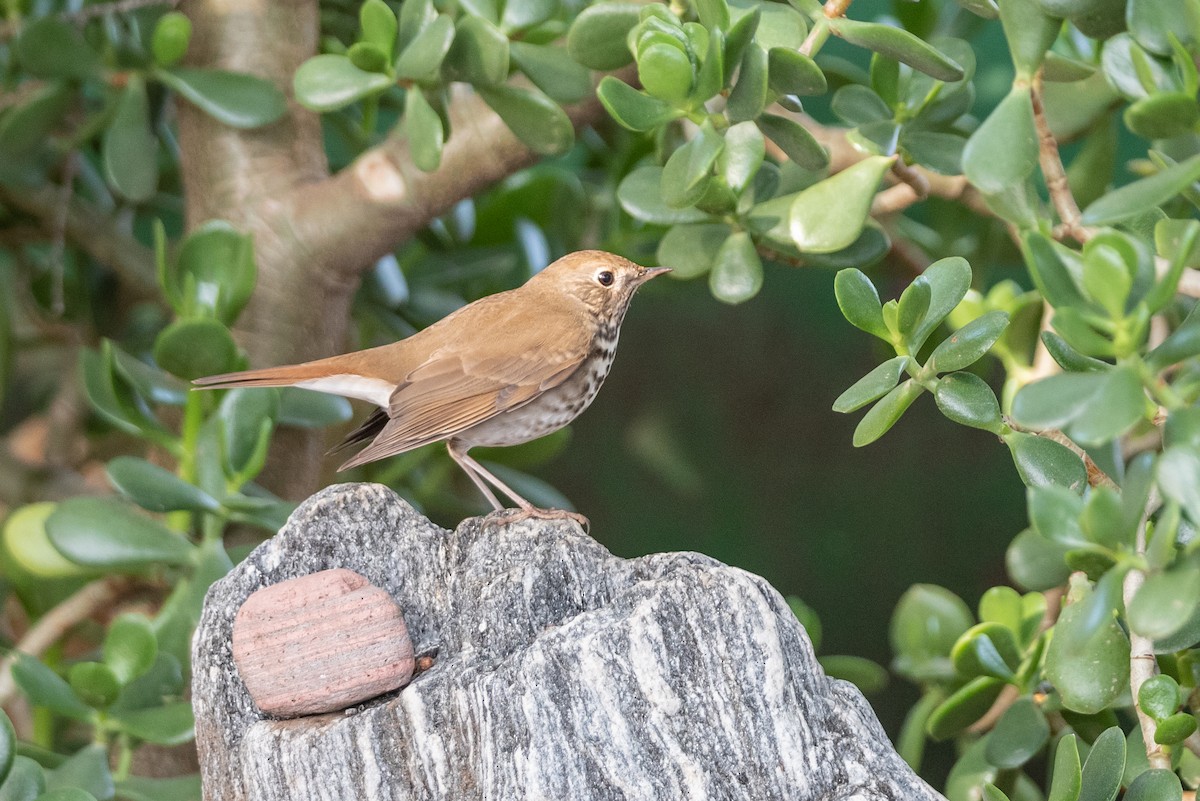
<point>563,672</point>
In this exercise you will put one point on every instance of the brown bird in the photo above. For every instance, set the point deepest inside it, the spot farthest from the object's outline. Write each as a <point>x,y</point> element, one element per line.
<point>506,369</point>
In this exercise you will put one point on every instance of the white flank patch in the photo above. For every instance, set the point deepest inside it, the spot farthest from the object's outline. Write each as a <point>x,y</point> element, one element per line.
<point>374,390</point>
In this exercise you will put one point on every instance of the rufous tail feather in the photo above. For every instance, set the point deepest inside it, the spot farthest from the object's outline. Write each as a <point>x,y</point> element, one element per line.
<point>266,377</point>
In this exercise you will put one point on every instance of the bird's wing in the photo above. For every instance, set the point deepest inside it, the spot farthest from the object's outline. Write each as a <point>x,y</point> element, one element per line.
<point>461,386</point>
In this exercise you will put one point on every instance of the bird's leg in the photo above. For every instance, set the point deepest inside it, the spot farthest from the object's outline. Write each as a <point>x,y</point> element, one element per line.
<point>479,474</point>
<point>468,464</point>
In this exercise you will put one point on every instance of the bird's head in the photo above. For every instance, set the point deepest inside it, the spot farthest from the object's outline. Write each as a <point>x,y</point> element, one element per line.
<point>604,282</point>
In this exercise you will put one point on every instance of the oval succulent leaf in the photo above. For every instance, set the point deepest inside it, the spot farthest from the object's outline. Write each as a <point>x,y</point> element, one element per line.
<point>830,214</point>
<point>899,44</point>
<point>968,344</point>
<point>873,386</point>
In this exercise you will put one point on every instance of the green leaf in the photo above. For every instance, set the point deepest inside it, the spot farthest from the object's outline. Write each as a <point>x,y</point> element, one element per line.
<point>873,386</point>
<point>966,399</point>
<point>926,623</point>
<point>790,72</point>
<point>1029,31</point>
<point>858,105</point>
<point>329,82</point>
<point>26,541</point>
<point>525,15</point>
<point>798,144</point>
<point>1050,275</point>
<point>305,409</point>
<point>25,782</point>
<point>1044,462</point>
<point>1165,602</point>
<point>780,26</point>
<point>25,127</point>
<point>67,794</point>
<point>1162,115</point>
<point>1003,151</point>
<point>172,34</point>
<point>666,72</point>
<point>50,47</point>
<point>1176,241</point>
<point>1183,343</point>
<point>1096,407</point>
<point>965,706</point>
<point>686,171</point>
<point>46,688</point>
<point>689,250</point>
<point>83,776</point>
<point>195,348</point>
<point>1019,734</point>
<point>1144,194</point>
<point>552,70</point>
<point>1179,478</point>
<point>993,793</point>
<point>8,746</point>
<point>215,272</point>
<point>1154,24</point>
<point>1102,771</point>
<point>156,489</point>
<point>422,58</point>
<point>243,414</point>
<point>1064,786</point>
<point>1107,278</point>
<point>130,648</point>
<point>379,26</point>
<point>130,148</point>
<point>1070,359</point>
<point>868,676</point>
<point>987,649</point>
<point>830,214</point>
<point>1055,512</point>
<point>899,44</point>
<point>95,683</point>
<point>1158,696</point>
<point>884,414</point>
<point>914,303</point>
<point>748,97</point>
<point>170,724</point>
<point>108,534</point>
<point>640,195</point>
<point>535,119</point>
<point>948,279</point>
<point>422,128</point>
<point>736,274</point>
<point>742,155</point>
<point>1088,658</point>
<point>1156,784</point>
<point>597,37</point>
<point>480,53</point>
<point>859,301</point>
<point>968,344</point>
<point>144,788</point>
<point>368,57</point>
<point>1175,729</point>
<point>632,109</point>
<point>234,98</point>
<point>713,13</point>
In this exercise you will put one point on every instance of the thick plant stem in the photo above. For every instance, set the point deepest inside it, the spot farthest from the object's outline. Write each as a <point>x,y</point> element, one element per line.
<point>1142,664</point>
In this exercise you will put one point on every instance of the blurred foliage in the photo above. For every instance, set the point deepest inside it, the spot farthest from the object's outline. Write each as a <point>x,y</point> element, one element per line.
<point>745,134</point>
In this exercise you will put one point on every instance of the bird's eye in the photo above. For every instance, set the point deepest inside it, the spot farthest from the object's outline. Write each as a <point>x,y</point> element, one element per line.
<point>605,278</point>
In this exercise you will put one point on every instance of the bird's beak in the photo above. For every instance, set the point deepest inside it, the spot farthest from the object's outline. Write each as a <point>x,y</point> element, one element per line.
<point>647,273</point>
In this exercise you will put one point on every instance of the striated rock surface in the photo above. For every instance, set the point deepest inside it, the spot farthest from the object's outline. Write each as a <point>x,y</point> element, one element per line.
<point>563,672</point>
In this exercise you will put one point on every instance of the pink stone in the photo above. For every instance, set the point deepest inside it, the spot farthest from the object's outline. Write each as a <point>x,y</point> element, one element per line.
<point>320,643</point>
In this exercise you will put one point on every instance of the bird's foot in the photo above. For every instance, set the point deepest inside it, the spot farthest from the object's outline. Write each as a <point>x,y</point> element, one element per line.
<point>536,513</point>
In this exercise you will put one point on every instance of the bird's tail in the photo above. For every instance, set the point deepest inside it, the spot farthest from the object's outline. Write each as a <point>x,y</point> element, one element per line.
<point>266,377</point>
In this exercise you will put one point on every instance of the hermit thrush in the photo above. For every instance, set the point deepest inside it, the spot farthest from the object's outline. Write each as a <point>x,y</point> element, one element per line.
<point>503,370</point>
